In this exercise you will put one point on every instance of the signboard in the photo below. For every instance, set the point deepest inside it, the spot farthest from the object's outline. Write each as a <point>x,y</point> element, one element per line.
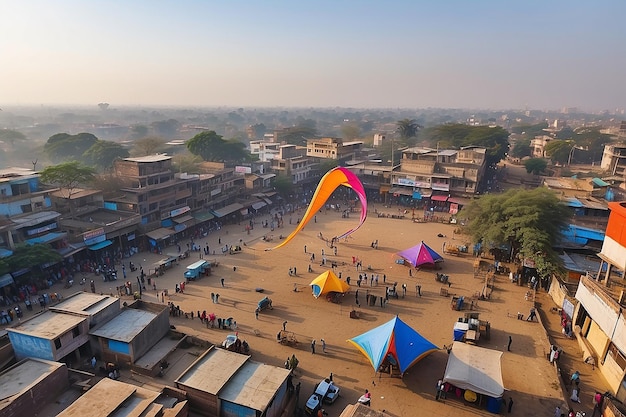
<point>94,236</point>
<point>243,170</point>
<point>454,208</point>
<point>179,211</point>
<point>41,229</point>
<point>406,181</point>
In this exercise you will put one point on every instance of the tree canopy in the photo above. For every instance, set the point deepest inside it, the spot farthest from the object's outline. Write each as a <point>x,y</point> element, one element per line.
<point>8,135</point>
<point>407,129</point>
<point>68,176</point>
<point>535,165</point>
<point>212,147</point>
<point>558,151</point>
<point>65,147</point>
<point>528,222</point>
<point>456,135</point>
<point>29,257</point>
<point>148,145</point>
<point>521,149</point>
<point>102,154</point>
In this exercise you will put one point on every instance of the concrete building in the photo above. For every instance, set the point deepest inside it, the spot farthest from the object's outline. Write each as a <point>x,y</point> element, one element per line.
<point>30,384</point>
<point>293,162</point>
<point>132,333</point>
<point>439,174</point>
<point>614,160</point>
<point>27,211</point>
<point>108,397</point>
<point>96,307</point>
<point>51,336</point>
<point>332,148</point>
<point>538,145</point>
<point>151,189</point>
<point>600,325</point>
<point>264,150</point>
<point>223,383</point>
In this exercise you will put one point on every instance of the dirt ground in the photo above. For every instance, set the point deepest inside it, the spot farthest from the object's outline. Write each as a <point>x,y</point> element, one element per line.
<point>530,380</point>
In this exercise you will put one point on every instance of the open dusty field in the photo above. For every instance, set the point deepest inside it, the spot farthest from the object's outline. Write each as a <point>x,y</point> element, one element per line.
<point>530,379</point>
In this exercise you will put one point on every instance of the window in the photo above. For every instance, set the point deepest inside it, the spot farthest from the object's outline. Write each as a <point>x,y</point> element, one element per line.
<point>76,332</point>
<point>57,343</point>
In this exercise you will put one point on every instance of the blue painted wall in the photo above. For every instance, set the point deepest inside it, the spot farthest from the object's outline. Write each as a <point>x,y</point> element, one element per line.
<point>26,346</point>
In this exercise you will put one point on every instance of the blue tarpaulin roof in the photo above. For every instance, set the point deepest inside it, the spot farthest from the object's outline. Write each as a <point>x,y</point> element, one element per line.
<point>394,339</point>
<point>100,245</point>
<point>45,238</point>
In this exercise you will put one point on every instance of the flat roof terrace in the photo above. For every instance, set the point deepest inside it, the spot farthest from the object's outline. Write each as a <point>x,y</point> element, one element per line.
<point>23,376</point>
<point>125,326</point>
<point>212,371</point>
<point>85,302</point>
<point>48,325</point>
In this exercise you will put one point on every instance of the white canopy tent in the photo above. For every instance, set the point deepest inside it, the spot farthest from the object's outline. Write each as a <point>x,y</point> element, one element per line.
<point>475,368</point>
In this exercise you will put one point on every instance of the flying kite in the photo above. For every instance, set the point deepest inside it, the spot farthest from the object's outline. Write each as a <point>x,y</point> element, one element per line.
<point>329,183</point>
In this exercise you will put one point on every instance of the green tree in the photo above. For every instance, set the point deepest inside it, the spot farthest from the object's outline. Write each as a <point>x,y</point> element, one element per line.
<point>535,165</point>
<point>529,222</point>
<point>407,129</point>
<point>148,145</point>
<point>283,184</point>
<point>68,176</point>
<point>32,257</point>
<point>212,147</point>
<point>65,147</point>
<point>521,149</point>
<point>103,153</point>
<point>258,130</point>
<point>558,151</point>
<point>10,136</point>
<point>530,131</point>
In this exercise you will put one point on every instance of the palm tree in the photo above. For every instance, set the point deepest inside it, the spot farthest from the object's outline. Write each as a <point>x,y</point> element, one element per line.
<point>407,129</point>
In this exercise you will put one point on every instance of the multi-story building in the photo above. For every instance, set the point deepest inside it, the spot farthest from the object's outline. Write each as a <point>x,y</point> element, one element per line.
<point>614,160</point>
<point>538,145</point>
<point>27,211</point>
<point>600,325</point>
<point>333,148</point>
<point>293,162</point>
<point>151,189</point>
<point>433,172</point>
<point>264,150</point>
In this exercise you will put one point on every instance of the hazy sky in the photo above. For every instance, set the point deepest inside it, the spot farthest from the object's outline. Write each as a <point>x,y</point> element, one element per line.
<point>392,53</point>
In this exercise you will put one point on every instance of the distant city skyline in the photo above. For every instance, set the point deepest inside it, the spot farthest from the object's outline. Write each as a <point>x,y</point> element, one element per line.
<point>361,54</point>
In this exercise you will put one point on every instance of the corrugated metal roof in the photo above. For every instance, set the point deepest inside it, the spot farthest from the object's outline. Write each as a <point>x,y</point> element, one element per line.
<point>254,385</point>
<point>125,326</point>
<point>211,372</point>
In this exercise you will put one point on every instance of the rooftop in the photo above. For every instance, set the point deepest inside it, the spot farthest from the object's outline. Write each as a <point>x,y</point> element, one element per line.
<point>22,376</point>
<point>212,371</point>
<point>12,173</point>
<point>85,302</point>
<point>149,158</point>
<point>254,385</point>
<point>109,397</point>
<point>48,325</point>
<point>125,326</point>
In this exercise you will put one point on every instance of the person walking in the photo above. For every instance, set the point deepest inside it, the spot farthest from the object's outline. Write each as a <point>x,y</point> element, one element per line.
<point>285,325</point>
<point>222,281</point>
<point>313,347</point>
<point>304,248</point>
<point>256,313</point>
<point>508,347</point>
<point>438,393</point>
<point>217,297</point>
<point>323,345</point>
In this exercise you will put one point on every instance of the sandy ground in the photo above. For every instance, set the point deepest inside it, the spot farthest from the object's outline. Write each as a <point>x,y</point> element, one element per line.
<point>531,381</point>
<point>528,377</point>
